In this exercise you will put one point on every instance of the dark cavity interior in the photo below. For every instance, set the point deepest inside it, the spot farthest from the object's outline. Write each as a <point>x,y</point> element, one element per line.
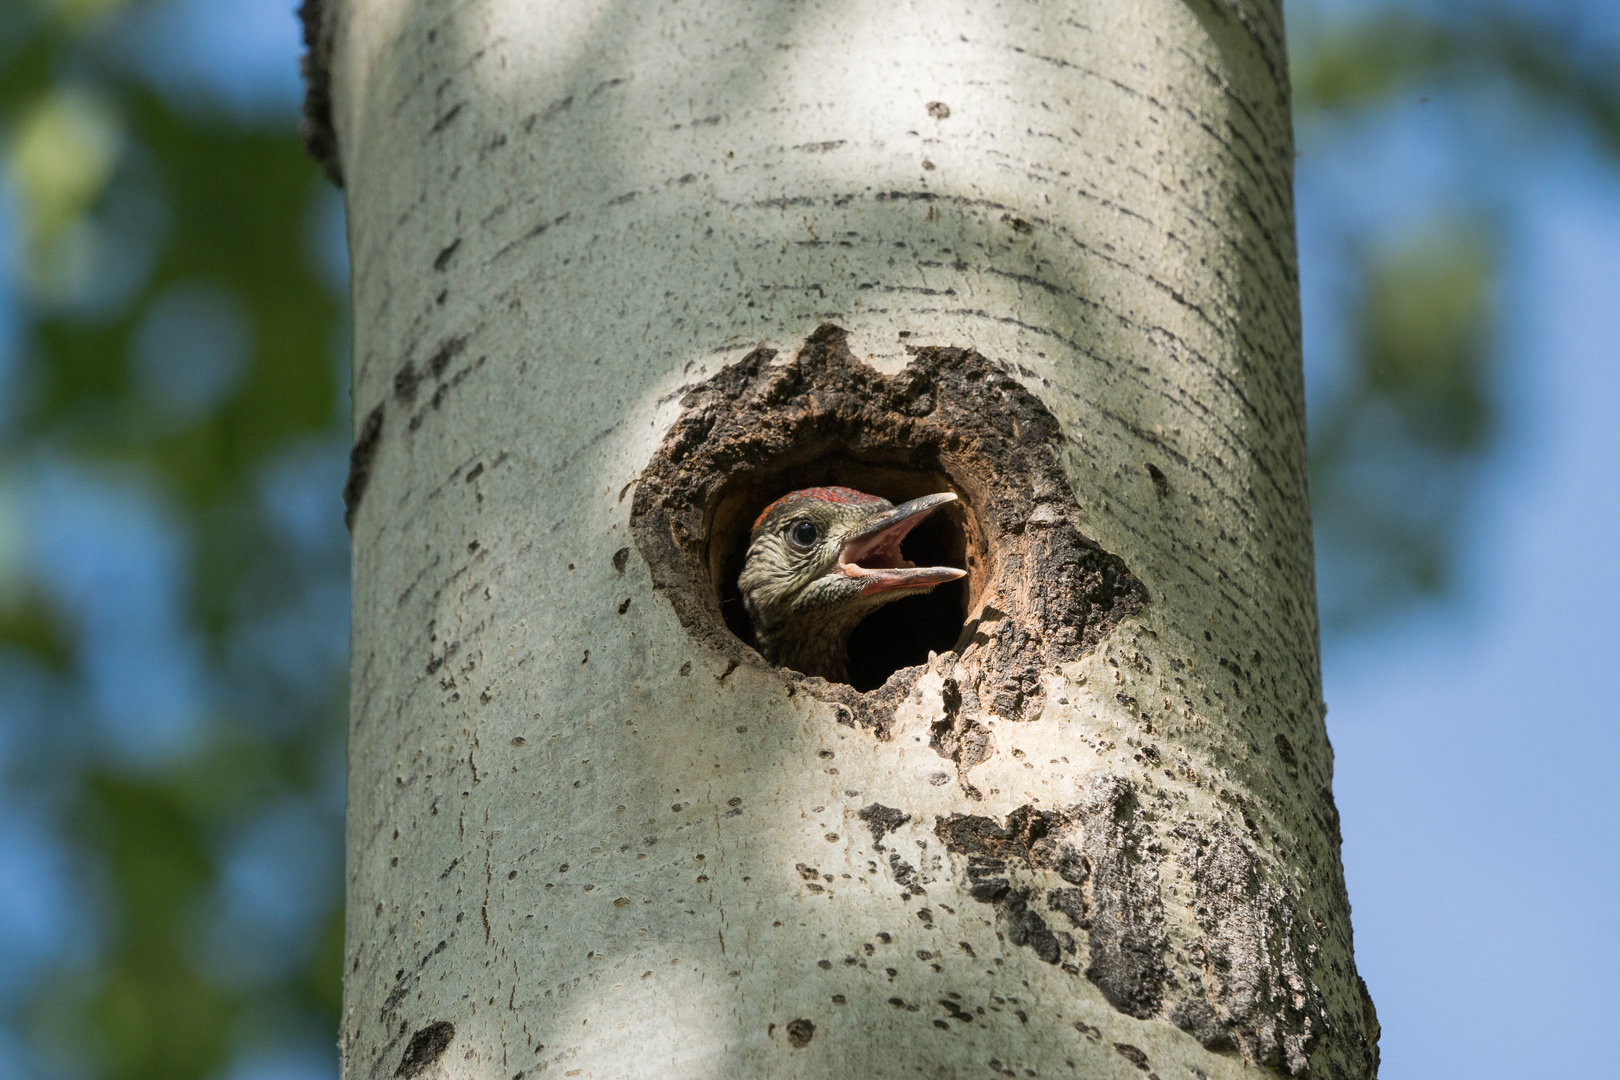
<point>900,634</point>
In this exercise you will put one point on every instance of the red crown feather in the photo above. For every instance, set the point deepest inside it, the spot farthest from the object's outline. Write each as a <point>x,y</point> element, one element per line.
<point>822,494</point>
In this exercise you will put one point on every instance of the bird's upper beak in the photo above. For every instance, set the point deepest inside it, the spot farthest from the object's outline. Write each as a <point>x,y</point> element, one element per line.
<point>872,554</point>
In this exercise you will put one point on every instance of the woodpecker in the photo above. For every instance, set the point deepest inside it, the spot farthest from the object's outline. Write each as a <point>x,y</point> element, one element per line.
<point>822,559</point>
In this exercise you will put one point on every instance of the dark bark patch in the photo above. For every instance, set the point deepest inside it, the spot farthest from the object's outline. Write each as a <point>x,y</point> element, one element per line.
<point>1133,1054</point>
<point>406,380</point>
<point>1254,986</point>
<point>882,820</point>
<point>800,1032</point>
<point>905,875</point>
<point>442,392</point>
<point>1038,592</point>
<point>446,352</point>
<point>425,1048</point>
<point>1127,936</point>
<point>320,137</point>
<point>1026,928</point>
<point>1100,848</point>
<point>1369,1020</point>
<point>361,457</point>
<point>1197,1017</point>
<point>1071,902</point>
<point>448,118</point>
<point>442,261</point>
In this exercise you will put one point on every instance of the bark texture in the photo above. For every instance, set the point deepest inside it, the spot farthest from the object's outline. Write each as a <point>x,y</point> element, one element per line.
<point>589,833</point>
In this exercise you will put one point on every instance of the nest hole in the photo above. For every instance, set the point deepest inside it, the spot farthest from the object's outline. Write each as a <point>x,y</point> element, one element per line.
<point>897,635</point>
<point>1037,591</point>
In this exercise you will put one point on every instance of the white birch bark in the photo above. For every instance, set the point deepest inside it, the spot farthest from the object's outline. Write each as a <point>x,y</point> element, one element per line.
<point>560,214</point>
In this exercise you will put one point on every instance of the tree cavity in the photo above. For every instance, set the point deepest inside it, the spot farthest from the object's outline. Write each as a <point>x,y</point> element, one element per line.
<point>1037,592</point>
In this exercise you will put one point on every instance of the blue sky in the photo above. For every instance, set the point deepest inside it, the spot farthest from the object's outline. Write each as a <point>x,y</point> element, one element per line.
<point>1475,740</point>
<point>1475,736</point>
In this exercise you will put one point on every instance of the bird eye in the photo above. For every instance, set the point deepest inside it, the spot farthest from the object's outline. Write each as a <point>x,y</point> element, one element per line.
<point>802,535</point>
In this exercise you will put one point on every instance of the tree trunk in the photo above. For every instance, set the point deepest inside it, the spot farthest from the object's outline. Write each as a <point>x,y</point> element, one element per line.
<point>590,832</point>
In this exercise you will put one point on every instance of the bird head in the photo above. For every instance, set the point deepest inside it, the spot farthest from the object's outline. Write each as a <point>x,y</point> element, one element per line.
<point>822,559</point>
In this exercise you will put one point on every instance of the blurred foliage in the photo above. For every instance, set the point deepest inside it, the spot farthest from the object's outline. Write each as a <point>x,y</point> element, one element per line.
<point>1394,450</point>
<point>61,157</point>
<point>1413,417</point>
<point>174,355</point>
<point>1424,328</point>
<point>173,427</point>
<point>1547,57</point>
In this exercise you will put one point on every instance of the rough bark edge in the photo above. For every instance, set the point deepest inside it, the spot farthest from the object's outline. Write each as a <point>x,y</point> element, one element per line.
<point>320,138</point>
<point>1262,21</point>
<point>361,456</point>
<point>426,1047</point>
<point>1245,985</point>
<point>1050,594</point>
<point>1101,849</point>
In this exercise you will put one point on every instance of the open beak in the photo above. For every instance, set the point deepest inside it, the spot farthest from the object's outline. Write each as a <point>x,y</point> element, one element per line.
<point>873,553</point>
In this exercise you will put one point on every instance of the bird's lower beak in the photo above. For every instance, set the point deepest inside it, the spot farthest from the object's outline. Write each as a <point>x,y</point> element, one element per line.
<point>873,553</point>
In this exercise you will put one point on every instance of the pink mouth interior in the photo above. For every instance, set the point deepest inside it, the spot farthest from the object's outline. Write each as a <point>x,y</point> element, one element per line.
<point>885,556</point>
<point>884,552</point>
